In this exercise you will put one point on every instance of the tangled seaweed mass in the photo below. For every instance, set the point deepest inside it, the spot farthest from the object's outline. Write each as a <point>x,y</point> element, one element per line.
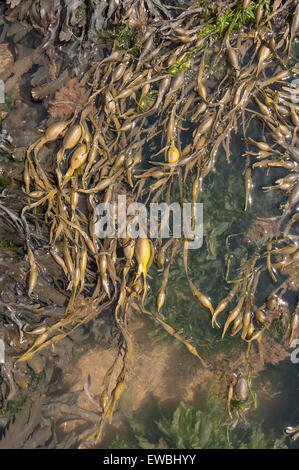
<point>132,81</point>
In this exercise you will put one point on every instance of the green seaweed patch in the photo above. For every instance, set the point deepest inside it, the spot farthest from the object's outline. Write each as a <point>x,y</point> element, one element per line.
<point>9,245</point>
<point>183,61</point>
<point>4,181</point>
<point>187,427</point>
<point>201,426</point>
<point>14,406</point>
<point>277,328</point>
<point>81,11</point>
<point>126,38</point>
<point>231,19</point>
<point>147,101</point>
